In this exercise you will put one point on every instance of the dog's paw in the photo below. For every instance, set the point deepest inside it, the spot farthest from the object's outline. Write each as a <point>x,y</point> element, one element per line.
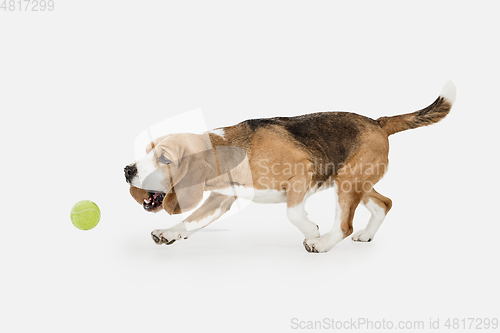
<point>167,236</point>
<point>316,245</point>
<point>363,236</point>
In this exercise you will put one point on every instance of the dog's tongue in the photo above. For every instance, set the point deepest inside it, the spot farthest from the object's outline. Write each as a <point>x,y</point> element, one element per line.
<point>156,195</point>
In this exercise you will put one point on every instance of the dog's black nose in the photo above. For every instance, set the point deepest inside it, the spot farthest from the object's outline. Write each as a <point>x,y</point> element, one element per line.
<point>130,172</point>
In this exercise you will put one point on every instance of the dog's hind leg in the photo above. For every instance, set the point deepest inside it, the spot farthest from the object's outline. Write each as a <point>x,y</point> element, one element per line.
<point>213,208</point>
<point>379,206</point>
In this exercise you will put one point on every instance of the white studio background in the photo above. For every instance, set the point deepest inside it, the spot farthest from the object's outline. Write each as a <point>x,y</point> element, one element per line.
<point>79,83</point>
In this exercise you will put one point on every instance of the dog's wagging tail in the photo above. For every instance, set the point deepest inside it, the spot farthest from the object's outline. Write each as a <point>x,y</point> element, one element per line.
<point>427,116</point>
<point>277,160</point>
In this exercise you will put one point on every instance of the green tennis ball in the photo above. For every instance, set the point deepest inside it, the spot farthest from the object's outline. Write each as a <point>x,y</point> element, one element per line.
<point>85,215</point>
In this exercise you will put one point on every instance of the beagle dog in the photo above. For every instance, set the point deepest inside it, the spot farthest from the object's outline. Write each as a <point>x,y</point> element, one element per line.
<point>274,160</point>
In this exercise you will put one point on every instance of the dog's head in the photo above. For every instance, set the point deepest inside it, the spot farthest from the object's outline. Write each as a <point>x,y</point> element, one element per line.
<point>172,175</point>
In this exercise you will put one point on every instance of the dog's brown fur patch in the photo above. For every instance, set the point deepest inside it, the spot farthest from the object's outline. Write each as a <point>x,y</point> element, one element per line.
<point>139,194</point>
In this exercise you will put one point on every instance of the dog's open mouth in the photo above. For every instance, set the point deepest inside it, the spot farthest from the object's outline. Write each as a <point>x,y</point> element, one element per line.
<point>153,203</point>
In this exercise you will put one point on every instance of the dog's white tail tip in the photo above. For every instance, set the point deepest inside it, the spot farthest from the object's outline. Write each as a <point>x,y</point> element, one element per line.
<point>449,92</point>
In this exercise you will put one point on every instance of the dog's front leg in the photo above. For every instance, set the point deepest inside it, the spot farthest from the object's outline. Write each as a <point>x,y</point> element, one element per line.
<point>213,208</point>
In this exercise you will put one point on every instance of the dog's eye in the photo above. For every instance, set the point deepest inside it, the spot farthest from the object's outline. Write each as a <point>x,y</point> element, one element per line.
<point>164,160</point>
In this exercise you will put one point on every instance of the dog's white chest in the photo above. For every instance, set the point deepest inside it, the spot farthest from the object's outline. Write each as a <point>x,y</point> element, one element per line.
<point>261,196</point>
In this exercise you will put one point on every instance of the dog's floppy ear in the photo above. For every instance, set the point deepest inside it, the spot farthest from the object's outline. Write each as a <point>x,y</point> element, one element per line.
<point>188,183</point>
<point>171,204</point>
